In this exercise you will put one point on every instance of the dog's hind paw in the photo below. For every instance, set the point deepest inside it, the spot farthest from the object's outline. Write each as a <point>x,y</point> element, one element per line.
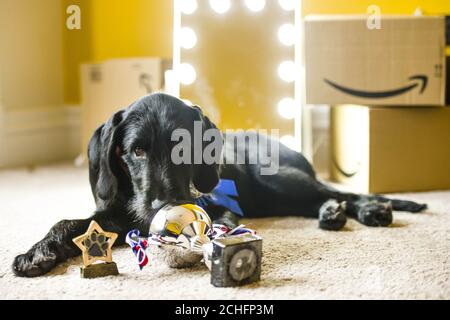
<point>376,214</point>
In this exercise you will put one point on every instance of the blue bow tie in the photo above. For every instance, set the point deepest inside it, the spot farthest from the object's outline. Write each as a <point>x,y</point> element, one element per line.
<point>222,196</point>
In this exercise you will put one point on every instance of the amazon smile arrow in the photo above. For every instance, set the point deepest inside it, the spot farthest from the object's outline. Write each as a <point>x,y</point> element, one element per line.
<point>419,81</point>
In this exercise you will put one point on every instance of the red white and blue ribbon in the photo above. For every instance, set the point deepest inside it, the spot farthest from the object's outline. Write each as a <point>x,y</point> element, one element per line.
<point>222,231</point>
<point>139,244</point>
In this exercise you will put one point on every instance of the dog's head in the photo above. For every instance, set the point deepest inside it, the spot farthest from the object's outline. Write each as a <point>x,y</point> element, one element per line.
<point>130,157</point>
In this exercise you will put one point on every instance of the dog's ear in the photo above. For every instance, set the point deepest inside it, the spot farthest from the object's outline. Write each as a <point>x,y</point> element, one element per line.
<point>206,176</point>
<point>104,169</point>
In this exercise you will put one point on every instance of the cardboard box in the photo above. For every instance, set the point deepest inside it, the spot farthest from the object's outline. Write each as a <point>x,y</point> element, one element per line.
<point>403,63</point>
<point>385,149</point>
<point>447,90</point>
<point>113,85</point>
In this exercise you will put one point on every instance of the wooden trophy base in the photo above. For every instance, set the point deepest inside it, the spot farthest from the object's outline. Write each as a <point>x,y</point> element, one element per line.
<point>99,270</point>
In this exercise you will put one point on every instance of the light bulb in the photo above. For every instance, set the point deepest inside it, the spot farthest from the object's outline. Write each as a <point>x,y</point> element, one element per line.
<point>255,5</point>
<point>186,73</point>
<point>287,5</point>
<point>286,108</point>
<point>220,6</point>
<point>286,71</point>
<point>188,38</point>
<point>188,6</point>
<point>287,34</point>
<point>289,141</point>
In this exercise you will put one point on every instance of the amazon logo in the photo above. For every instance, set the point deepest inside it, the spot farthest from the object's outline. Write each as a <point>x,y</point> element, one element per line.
<point>345,173</point>
<point>417,81</point>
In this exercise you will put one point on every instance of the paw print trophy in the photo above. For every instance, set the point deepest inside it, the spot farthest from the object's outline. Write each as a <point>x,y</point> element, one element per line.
<point>96,246</point>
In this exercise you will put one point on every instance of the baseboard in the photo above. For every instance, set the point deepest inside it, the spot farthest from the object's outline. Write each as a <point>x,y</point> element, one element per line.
<point>39,135</point>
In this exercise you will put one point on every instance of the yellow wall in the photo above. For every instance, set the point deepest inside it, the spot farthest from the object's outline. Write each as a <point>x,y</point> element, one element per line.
<point>30,54</point>
<point>114,29</point>
<point>77,48</point>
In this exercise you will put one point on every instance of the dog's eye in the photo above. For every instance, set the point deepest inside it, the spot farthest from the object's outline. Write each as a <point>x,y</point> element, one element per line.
<point>139,152</point>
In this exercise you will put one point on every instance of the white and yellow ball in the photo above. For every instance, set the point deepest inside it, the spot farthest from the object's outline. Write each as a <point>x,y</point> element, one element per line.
<point>184,229</point>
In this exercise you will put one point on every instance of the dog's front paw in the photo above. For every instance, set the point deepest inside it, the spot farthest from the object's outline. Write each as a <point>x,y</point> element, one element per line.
<point>34,263</point>
<point>332,216</point>
<point>376,214</point>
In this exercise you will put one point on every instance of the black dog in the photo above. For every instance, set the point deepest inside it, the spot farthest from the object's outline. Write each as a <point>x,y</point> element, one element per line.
<point>132,176</point>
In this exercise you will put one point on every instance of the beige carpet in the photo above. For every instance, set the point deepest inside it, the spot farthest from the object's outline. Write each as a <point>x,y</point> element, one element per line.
<point>409,260</point>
